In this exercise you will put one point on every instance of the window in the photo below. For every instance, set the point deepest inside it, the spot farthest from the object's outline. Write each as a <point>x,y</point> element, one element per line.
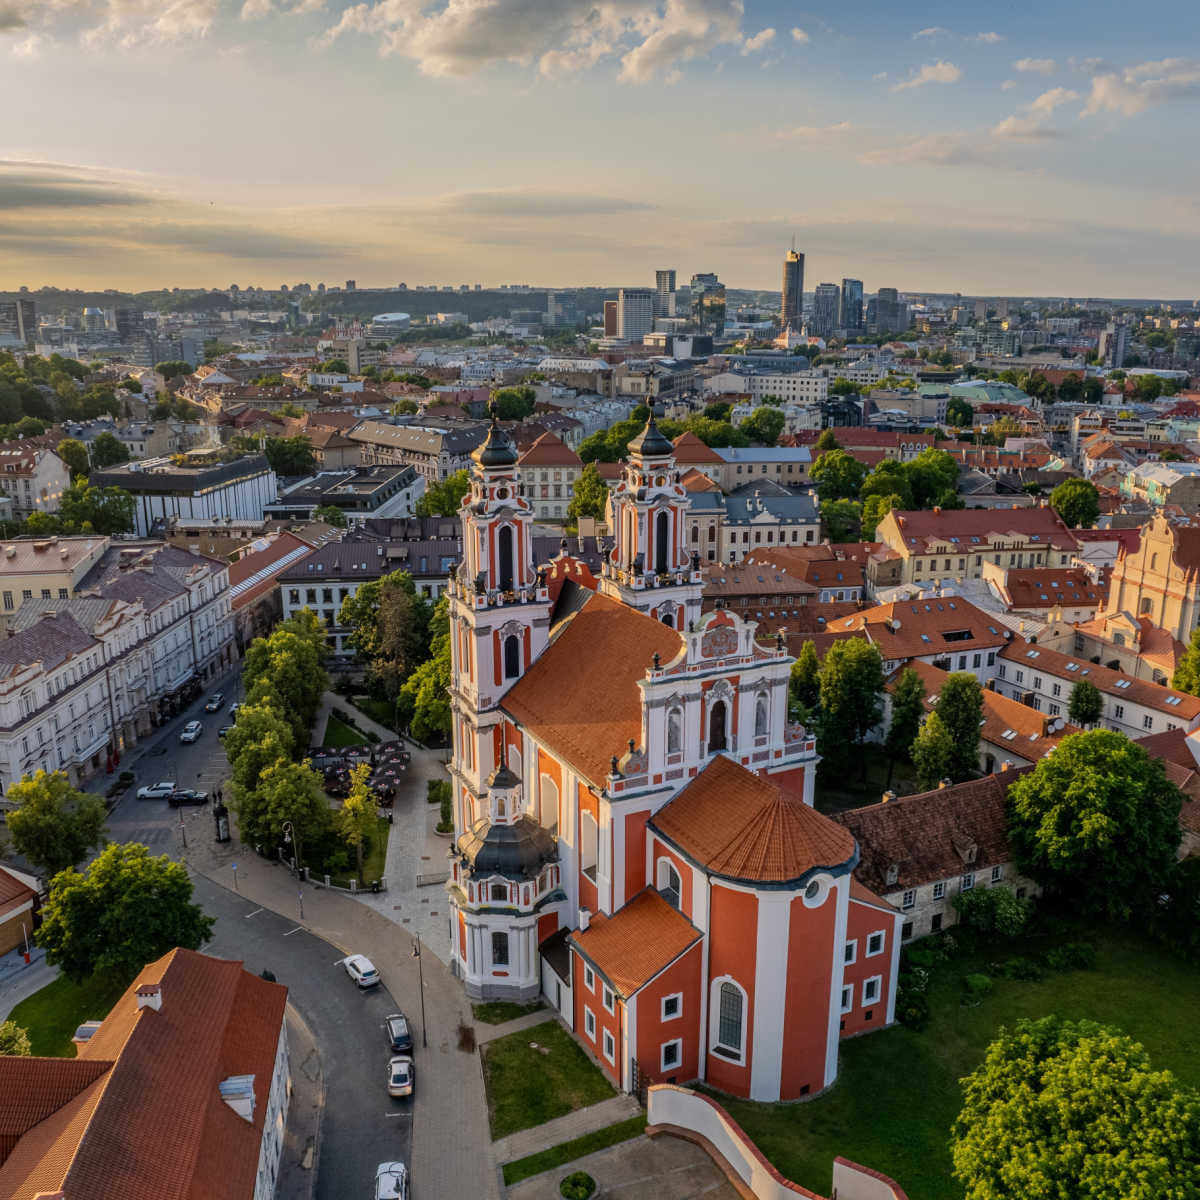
<point>716,728</point>
<point>1053,709</point>
<point>760,716</point>
<point>991,662</point>
<point>870,989</point>
<point>968,881</point>
<point>875,943</point>
<point>674,731</point>
<point>997,874</point>
<point>909,899</point>
<point>669,884</point>
<point>672,1006</point>
<point>500,892</point>
<point>609,1000</point>
<point>939,891</point>
<point>1002,672</point>
<point>512,656</point>
<point>847,997</point>
<point>500,949</point>
<point>1020,676</point>
<point>730,1014</point>
<point>589,1023</point>
<point>906,931</point>
<point>1147,722</point>
<point>672,1054</point>
<point>1118,711</point>
<point>851,952</point>
<point>1056,689</point>
<point>589,979</point>
<point>935,922</point>
<point>610,1047</point>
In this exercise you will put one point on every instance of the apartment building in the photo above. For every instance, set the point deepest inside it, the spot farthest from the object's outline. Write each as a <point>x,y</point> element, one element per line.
<point>435,453</point>
<point>45,568</point>
<point>33,478</point>
<point>546,476</point>
<point>797,386</point>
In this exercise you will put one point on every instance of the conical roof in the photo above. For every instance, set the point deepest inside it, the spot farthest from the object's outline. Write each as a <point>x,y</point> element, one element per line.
<point>497,449</point>
<point>651,442</point>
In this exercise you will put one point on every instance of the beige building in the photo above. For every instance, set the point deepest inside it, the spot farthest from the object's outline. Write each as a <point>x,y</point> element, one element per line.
<point>1160,580</point>
<point>547,473</point>
<point>33,477</point>
<point>45,568</point>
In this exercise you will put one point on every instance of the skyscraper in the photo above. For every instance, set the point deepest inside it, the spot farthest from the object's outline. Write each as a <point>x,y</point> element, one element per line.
<point>635,313</point>
<point>708,303</point>
<point>610,318</point>
<point>851,316</point>
<point>18,323</point>
<point>664,300</point>
<point>1113,343</point>
<point>792,307</point>
<point>826,299</point>
<point>890,314</point>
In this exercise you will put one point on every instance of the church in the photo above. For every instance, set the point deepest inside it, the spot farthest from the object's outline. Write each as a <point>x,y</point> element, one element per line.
<point>635,836</point>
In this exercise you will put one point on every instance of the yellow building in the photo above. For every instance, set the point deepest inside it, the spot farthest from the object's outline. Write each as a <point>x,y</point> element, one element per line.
<point>45,568</point>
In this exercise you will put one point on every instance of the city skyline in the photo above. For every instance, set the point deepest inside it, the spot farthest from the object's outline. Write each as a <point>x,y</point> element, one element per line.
<point>959,151</point>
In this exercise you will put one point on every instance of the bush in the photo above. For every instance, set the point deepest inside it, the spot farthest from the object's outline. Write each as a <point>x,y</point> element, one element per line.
<point>993,910</point>
<point>372,737</point>
<point>437,791</point>
<point>912,1003</point>
<point>1072,956</point>
<point>446,815</point>
<point>977,986</point>
<point>579,1185</point>
<point>927,955</point>
<point>1021,968</point>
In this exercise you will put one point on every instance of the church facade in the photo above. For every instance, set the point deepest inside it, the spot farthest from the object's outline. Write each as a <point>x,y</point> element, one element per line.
<point>635,836</point>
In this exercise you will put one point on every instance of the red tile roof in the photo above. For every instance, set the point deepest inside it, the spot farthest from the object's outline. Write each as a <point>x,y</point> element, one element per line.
<point>967,530</point>
<point>922,628</point>
<point>14,892</point>
<point>690,449</point>
<point>550,451</point>
<point>741,826</point>
<point>863,895</point>
<point>1049,587</point>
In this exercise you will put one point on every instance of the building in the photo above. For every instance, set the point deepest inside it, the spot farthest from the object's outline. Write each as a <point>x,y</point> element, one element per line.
<point>635,313</point>
<point>194,1055</point>
<point>161,490</point>
<point>664,293</point>
<point>1160,579</point>
<point>1051,594</point>
<point>610,319</point>
<point>891,315</point>
<point>827,302</point>
<point>708,303</point>
<point>742,465</point>
<point>547,473</point>
<point>45,568</point>
<point>1114,343</point>
<point>790,387</point>
<point>34,478</point>
<point>436,453</point>
<point>764,515</point>
<point>18,909</point>
<point>254,598</point>
<point>642,850</point>
<point>792,307</point>
<point>359,492</point>
<point>332,449</point>
<point>850,315</point>
<point>18,324</point>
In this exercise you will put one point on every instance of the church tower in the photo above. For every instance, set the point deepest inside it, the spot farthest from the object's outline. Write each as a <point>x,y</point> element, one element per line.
<point>649,567</point>
<point>499,611</point>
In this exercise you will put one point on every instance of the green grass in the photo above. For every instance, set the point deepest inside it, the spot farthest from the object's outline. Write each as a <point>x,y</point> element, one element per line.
<point>338,733</point>
<point>378,710</point>
<point>897,1094</point>
<point>53,1014</point>
<point>526,1087</point>
<point>496,1012</point>
<point>566,1152</point>
<point>373,861</point>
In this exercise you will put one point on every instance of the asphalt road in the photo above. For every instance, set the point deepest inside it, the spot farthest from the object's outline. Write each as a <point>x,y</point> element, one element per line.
<point>362,1125</point>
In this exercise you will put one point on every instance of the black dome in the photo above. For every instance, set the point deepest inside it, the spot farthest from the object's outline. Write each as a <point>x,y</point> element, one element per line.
<point>651,442</point>
<point>516,851</point>
<point>497,449</point>
<point>502,777</point>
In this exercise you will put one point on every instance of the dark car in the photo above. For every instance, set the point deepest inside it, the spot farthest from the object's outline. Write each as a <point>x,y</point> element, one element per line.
<point>223,730</point>
<point>398,1032</point>
<point>215,702</point>
<point>182,796</point>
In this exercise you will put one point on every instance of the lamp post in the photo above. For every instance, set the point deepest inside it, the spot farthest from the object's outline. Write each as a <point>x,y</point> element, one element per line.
<point>290,836</point>
<point>416,953</point>
<point>182,829</point>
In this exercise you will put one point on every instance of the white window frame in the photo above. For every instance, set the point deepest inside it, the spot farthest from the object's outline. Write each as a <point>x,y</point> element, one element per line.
<point>939,890</point>
<point>606,1041</point>
<point>968,882</point>
<point>850,954</point>
<point>663,1065</point>
<point>881,934</point>
<point>589,1022</point>
<point>664,1015</point>
<point>608,999</point>
<point>847,997</point>
<point>909,899</point>
<point>589,978</point>
<point>877,981</point>
<point>997,874</point>
<point>726,1053</point>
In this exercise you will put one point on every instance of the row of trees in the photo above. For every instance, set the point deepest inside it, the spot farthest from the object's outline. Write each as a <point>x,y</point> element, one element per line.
<point>712,427</point>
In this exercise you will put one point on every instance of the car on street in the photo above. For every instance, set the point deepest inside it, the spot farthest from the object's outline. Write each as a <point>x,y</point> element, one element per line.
<point>191,732</point>
<point>401,1076</point>
<point>399,1034</point>
<point>361,970</point>
<point>181,796</point>
<point>156,791</point>
<point>391,1181</point>
<point>223,730</point>
<point>233,710</point>
<point>214,702</point>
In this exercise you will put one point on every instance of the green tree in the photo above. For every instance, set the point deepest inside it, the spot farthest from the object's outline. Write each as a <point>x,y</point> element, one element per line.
<point>53,825</point>
<point>292,794</point>
<point>717,411</point>
<point>1077,502</point>
<point>842,387</point>
<point>14,1040</point>
<point>764,425</point>
<point>125,910</point>
<point>590,495</point>
<point>356,820</point>
<point>1085,704</point>
<point>514,403</point>
<point>390,622</point>
<point>405,406</point>
<point>959,413</point>
<point>1097,823</point>
<point>933,476</point>
<point>842,520</point>
<point>290,455</point>
<point>331,515</point>
<point>261,736</point>
<point>74,453</point>
<point>890,478</point>
<point>908,696</point>
<point>960,708</point>
<point>993,910</point>
<point>804,684</point>
<point>933,752</point>
<point>838,475</point>
<point>1074,1109</point>
<point>827,441</point>
<point>173,368</point>
<point>87,509</point>
<point>108,450</point>
<point>424,700</point>
<point>874,509</point>
<point>444,498</point>
<point>288,663</point>
<point>851,691</point>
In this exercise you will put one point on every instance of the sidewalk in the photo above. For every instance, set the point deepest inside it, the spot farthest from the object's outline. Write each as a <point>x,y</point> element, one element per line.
<point>302,1138</point>
<point>489,1033</point>
<point>565,1129</point>
<point>18,980</point>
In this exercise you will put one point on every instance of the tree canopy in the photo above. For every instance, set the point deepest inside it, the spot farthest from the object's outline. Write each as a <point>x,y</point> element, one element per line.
<point>514,403</point>
<point>53,824</point>
<point>851,690</point>
<point>290,455</point>
<point>331,515</point>
<point>764,425</point>
<point>425,697</point>
<point>1077,502</point>
<point>838,475</point>
<point>1085,704</point>
<point>932,752</point>
<point>842,520</point>
<point>389,620</point>
<point>907,710</point>
<point>108,450</point>
<point>444,498</point>
<point>74,453</point>
<point>960,709</point>
<point>590,495</point>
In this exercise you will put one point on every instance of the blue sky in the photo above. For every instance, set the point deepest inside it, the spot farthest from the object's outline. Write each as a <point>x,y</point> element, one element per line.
<point>1018,149</point>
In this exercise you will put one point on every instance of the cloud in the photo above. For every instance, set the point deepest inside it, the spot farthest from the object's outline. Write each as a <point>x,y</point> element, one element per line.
<point>759,41</point>
<point>814,133</point>
<point>1131,90</point>
<point>235,241</point>
<point>799,34</point>
<point>879,76</point>
<point>12,16</point>
<point>252,10</point>
<point>541,204</point>
<point>28,47</point>
<point>935,149</point>
<point>932,31</point>
<point>1047,102</point>
<point>1036,66</point>
<point>988,39</point>
<point>45,186</point>
<point>938,72</point>
<point>1032,126</point>
<point>1008,85</point>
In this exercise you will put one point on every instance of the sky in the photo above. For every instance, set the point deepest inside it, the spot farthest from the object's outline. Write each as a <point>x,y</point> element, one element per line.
<point>994,150</point>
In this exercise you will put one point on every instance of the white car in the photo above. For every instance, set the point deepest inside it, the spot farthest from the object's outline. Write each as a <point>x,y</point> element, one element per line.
<point>361,970</point>
<point>191,732</point>
<point>401,1076</point>
<point>156,791</point>
<point>391,1181</point>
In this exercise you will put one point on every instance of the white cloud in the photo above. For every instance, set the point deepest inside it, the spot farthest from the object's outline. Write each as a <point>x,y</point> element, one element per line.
<point>759,41</point>
<point>1036,66</point>
<point>252,10</point>
<point>1023,129</point>
<point>932,31</point>
<point>988,39</point>
<point>1131,90</point>
<point>814,133</point>
<point>1047,102</point>
<point>28,47</point>
<point>879,76</point>
<point>935,149</point>
<point>798,34</point>
<point>1008,85</point>
<point>938,72</point>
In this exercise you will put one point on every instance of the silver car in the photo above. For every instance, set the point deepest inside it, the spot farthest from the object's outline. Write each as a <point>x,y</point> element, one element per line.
<point>401,1076</point>
<point>391,1181</point>
<point>191,732</point>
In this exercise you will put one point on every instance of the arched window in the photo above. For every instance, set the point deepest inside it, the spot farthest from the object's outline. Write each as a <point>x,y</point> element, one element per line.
<point>1154,562</point>
<point>712,533</point>
<point>662,549</point>
<point>500,892</point>
<point>674,731</point>
<point>512,656</point>
<point>729,1020</point>
<point>695,533</point>
<point>668,619</point>
<point>504,544</point>
<point>669,885</point>
<point>716,727</point>
<point>760,715</point>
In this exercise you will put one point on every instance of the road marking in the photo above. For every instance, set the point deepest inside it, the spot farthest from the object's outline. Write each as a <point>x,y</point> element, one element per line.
<point>397,1114</point>
<point>291,931</point>
<point>254,913</point>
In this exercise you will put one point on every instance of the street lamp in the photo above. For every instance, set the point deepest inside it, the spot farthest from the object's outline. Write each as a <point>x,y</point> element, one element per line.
<point>182,829</point>
<point>289,833</point>
<point>416,953</point>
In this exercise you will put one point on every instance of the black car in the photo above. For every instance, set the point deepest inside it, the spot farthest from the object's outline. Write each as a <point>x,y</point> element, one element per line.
<point>223,730</point>
<point>398,1033</point>
<point>183,796</point>
<point>215,702</point>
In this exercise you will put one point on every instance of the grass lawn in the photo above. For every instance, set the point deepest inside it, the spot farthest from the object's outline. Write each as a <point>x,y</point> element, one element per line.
<point>526,1087</point>
<point>496,1012</point>
<point>377,710</point>
<point>897,1094</point>
<point>834,795</point>
<point>338,733</point>
<point>373,860</point>
<point>567,1152</point>
<point>52,1015</point>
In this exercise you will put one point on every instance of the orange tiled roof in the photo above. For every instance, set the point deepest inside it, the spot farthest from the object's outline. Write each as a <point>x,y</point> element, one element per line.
<point>690,449</point>
<point>611,647</point>
<point>967,530</point>
<point>549,451</point>
<point>635,943</point>
<point>13,891</point>
<point>863,894</point>
<point>34,1088</point>
<point>696,481</point>
<point>920,628</point>
<point>738,825</point>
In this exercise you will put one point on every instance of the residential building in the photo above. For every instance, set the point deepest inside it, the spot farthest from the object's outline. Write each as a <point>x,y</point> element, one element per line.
<point>1114,342</point>
<point>34,478</point>
<point>332,449</point>
<point>664,293</point>
<point>635,313</point>
<point>827,301</point>
<point>1133,645</point>
<point>436,453</point>
<point>193,1055</point>
<point>850,316</point>
<point>547,473</point>
<point>359,492</point>
<point>741,465</point>
<point>835,573</point>
<point>47,568</point>
<point>764,515</point>
<point>803,386</point>
<point>18,909</point>
<point>792,308</point>
<point>1051,594</point>
<point>1161,483</point>
<point>161,490</point>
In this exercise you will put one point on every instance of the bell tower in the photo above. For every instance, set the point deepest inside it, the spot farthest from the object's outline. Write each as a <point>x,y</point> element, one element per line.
<point>649,567</point>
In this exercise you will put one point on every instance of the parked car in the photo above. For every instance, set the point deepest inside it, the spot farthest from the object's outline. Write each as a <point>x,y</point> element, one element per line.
<point>391,1181</point>
<point>399,1034</point>
<point>401,1076</point>
<point>191,732</point>
<point>361,970</point>
<point>181,796</point>
<point>223,730</point>
<point>214,702</point>
<point>156,791</point>
<point>233,710</point>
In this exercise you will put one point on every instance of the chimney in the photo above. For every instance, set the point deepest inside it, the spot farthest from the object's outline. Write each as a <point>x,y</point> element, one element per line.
<point>149,995</point>
<point>888,796</point>
<point>943,783</point>
<point>585,919</point>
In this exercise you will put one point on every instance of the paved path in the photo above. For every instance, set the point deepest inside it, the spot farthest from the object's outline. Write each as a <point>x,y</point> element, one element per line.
<point>565,1129</point>
<point>489,1033</point>
<point>19,981</point>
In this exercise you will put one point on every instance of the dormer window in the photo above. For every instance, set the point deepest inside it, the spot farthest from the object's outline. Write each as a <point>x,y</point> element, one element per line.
<point>500,892</point>
<point>893,873</point>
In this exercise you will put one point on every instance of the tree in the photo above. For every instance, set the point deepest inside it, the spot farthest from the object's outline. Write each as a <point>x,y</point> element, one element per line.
<point>108,450</point>
<point>959,413</point>
<point>874,509</point>
<point>444,498</point>
<point>1085,704</point>
<point>841,386</point>
<point>87,509</point>
<point>804,685</point>
<point>1074,1109</point>
<point>842,520</point>
<point>173,368</point>
<point>356,820</point>
<point>1097,822</point>
<point>764,425</point>
<point>838,475</point>
<point>993,910</point>
<point>288,665</point>
<point>717,411</point>
<point>890,478</point>
<point>260,736</point>
<point>425,697</point>
<point>933,476</point>
<point>827,441</point>
<point>127,909</point>
<point>54,825</point>
<point>14,1040</point>
<point>590,496</point>
<point>933,752</point>
<point>390,622</point>
<point>330,514</point>
<point>851,689</point>
<point>960,708</point>
<point>1077,502</point>
<point>292,794</point>
<point>907,710</point>
<point>74,453</point>
<point>290,455</point>
<point>514,403</point>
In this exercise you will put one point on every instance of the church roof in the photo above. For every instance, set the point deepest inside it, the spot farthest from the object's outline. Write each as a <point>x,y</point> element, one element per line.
<point>581,697</point>
<point>497,450</point>
<point>651,442</point>
<point>516,851</point>
<point>736,824</point>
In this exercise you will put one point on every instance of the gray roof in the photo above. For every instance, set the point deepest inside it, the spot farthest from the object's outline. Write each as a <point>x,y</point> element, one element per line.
<point>758,454</point>
<point>794,509</point>
<point>150,572</point>
<point>86,611</point>
<point>185,480</point>
<point>51,642</point>
<point>370,558</point>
